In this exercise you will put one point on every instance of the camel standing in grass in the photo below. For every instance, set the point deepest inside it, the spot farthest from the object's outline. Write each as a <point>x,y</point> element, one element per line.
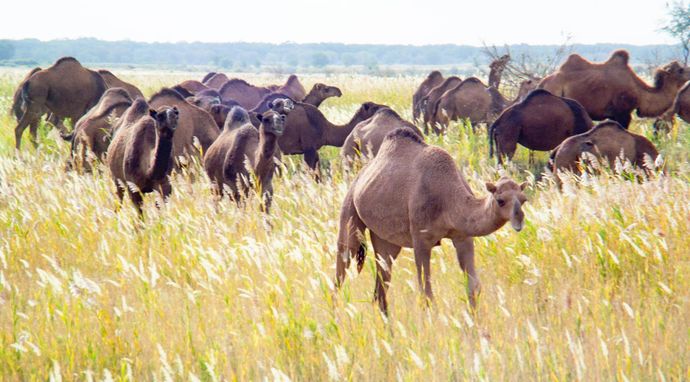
<point>428,102</point>
<point>434,79</point>
<point>413,195</point>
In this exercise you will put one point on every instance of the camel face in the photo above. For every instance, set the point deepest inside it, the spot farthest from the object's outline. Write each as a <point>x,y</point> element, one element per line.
<point>281,105</point>
<point>273,122</point>
<point>508,198</point>
<point>166,120</point>
<point>204,102</point>
<point>328,91</point>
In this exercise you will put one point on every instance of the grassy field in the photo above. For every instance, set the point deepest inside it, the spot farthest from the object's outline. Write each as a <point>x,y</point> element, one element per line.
<point>596,287</point>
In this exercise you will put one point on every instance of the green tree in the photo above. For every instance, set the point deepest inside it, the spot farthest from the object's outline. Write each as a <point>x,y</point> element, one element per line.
<point>6,50</point>
<point>319,60</point>
<point>678,26</point>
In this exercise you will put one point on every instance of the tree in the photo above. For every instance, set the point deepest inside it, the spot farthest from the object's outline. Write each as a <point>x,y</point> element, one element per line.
<point>319,60</point>
<point>679,26</point>
<point>6,50</point>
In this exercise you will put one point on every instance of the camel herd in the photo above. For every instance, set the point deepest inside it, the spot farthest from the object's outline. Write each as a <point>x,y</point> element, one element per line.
<point>409,194</point>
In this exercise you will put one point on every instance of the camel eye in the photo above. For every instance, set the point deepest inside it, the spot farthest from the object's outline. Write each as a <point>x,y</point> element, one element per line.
<point>501,202</point>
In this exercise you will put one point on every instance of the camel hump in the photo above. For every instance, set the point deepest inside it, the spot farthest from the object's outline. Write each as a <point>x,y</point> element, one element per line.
<point>119,92</point>
<point>66,60</point>
<point>535,94</point>
<point>434,74</point>
<point>208,76</point>
<point>140,106</point>
<point>167,93</point>
<point>292,79</point>
<point>619,57</point>
<point>237,116</point>
<point>609,124</point>
<point>404,134</point>
<point>234,82</point>
<point>575,62</point>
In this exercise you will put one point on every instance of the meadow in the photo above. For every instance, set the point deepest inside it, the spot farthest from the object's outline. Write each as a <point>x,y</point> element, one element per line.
<point>595,287</point>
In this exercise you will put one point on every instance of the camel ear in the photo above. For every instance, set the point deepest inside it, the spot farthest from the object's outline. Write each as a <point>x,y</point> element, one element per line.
<point>523,185</point>
<point>490,187</point>
<point>153,113</point>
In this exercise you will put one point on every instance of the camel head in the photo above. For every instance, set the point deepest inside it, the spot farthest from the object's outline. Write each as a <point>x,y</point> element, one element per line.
<point>272,122</point>
<point>527,86</point>
<point>507,198</point>
<point>327,91</point>
<point>673,73</point>
<point>166,120</point>
<point>367,110</point>
<point>281,105</point>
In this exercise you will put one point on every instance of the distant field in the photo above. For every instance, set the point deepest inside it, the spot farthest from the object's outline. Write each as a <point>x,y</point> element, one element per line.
<point>594,288</point>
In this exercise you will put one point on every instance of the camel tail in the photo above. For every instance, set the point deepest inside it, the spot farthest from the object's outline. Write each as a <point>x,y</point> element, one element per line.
<point>581,123</point>
<point>361,256</point>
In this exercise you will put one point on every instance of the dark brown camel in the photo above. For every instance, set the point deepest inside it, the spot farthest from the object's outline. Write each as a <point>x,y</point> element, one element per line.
<point>247,95</point>
<point>413,195</point>
<point>434,79</point>
<point>66,89</point>
<point>140,157</point>
<point>540,122</point>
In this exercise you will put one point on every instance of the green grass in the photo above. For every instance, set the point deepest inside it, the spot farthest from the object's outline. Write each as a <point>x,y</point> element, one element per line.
<point>594,288</point>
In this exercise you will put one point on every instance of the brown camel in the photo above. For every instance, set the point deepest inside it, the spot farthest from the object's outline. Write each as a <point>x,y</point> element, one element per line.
<point>216,81</point>
<point>140,157</point>
<point>612,90</point>
<point>189,88</point>
<point>66,89</point>
<point>321,92</point>
<point>242,153</point>
<point>293,88</point>
<point>368,135</point>
<point>247,95</point>
<point>428,102</point>
<point>306,130</point>
<point>194,122</point>
<point>93,131</point>
<point>416,205</point>
<point>434,79</point>
<point>680,106</point>
<point>112,81</point>
<point>540,122</point>
<point>607,140</point>
<point>475,101</point>
<point>19,108</point>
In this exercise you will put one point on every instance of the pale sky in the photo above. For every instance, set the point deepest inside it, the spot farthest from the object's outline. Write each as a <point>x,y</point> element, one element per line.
<point>355,21</point>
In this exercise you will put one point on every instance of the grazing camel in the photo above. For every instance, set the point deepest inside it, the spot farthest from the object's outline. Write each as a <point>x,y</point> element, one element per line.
<point>434,79</point>
<point>680,106</point>
<point>613,90</point>
<point>247,95</point>
<point>112,81</point>
<point>413,195</point>
<point>540,122</point>
<point>194,122</point>
<point>93,131</point>
<point>242,150</point>
<point>140,157</point>
<point>366,138</point>
<point>306,130</point>
<point>428,102</point>
<point>66,89</point>
<point>475,101</point>
<point>607,140</point>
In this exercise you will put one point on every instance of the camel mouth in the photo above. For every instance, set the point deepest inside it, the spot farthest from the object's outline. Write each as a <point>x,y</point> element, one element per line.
<point>517,226</point>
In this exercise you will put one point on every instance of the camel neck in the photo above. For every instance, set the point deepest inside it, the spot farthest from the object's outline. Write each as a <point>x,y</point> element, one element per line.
<point>313,98</point>
<point>653,101</point>
<point>336,134</point>
<point>267,144</point>
<point>477,217</point>
<point>162,156</point>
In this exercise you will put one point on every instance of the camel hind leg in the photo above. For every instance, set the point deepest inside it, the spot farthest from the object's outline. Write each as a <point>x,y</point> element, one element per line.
<point>385,254</point>
<point>28,119</point>
<point>350,240</point>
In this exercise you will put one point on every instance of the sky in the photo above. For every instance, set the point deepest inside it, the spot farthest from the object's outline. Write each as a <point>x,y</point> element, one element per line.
<point>418,22</point>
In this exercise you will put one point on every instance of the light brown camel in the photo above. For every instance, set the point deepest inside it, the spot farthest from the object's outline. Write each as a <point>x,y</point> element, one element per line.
<point>112,81</point>
<point>680,106</point>
<point>194,122</point>
<point>66,89</point>
<point>434,79</point>
<point>475,101</point>
<point>413,195</point>
<point>540,122</point>
<point>613,90</point>
<point>247,95</point>
<point>19,108</point>
<point>140,157</point>
<point>607,140</point>
<point>216,81</point>
<point>306,130</point>
<point>92,133</point>
<point>243,153</point>
<point>189,88</point>
<point>366,138</point>
<point>428,102</point>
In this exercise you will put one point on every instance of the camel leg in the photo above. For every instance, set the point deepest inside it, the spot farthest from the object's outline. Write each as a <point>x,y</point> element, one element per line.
<point>422,259</point>
<point>464,249</point>
<point>33,130</point>
<point>165,189</point>
<point>311,156</point>
<point>138,201</point>
<point>506,144</point>
<point>267,198</point>
<point>27,119</point>
<point>350,240</point>
<point>385,253</point>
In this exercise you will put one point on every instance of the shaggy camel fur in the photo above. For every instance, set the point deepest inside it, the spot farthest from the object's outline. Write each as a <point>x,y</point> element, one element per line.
<point>241,150</point>
<point>140,157</point>
<point>434,79</point>
<point>613,90</point>
<point>112,81</point>
<point>607,140</point>
<point>366,138</point>
<point>413,195</point>
<point>540,122</point>
<point>66,89</point>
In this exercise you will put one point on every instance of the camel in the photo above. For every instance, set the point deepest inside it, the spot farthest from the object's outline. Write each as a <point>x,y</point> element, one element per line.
<point>428,102</point>
<point>306,130</point>
<point>680,106</point>
<point>612,89</point>
<point>216,81</point>
<point>19,108</point>
<point>112,81</point>
<point>241,149</point>
<point>247,95</point>
<point>66,89</point>
<point>93,131</point>
<point>194,122</point>
<point>434,79</point>
<point>475,101</point>
<point>321,92</point>
<point>293,88</point>
<point>608,140</point>
<point>540,122</point>
<point>189,88</point>
<point>366,138</point>
<point>413,195</point>
<point>203,101</point>
<point>140,157</point>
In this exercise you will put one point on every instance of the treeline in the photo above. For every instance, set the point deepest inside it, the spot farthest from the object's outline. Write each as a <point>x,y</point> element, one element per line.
<point>289,55</point>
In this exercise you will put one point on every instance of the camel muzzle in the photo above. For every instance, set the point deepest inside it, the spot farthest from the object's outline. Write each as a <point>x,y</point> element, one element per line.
<point>517,218</point>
